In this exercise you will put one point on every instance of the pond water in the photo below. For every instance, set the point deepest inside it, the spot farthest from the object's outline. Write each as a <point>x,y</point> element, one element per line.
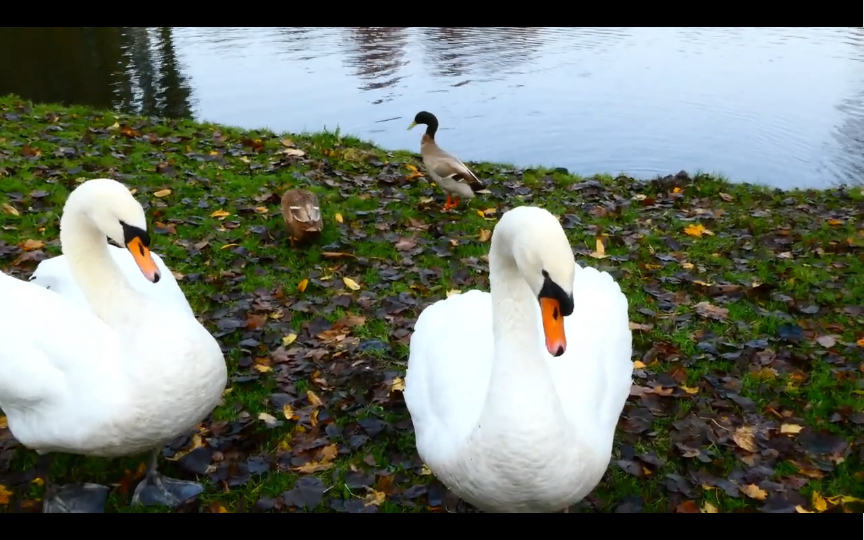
<point>776,106</point>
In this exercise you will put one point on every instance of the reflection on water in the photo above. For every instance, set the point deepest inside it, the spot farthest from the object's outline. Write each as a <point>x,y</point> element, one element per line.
<point>131,69</point>
<point>779,106</point>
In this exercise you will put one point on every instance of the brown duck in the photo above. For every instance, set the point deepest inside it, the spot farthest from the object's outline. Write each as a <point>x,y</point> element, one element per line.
<point>302,216</point>
<point>451,175</point>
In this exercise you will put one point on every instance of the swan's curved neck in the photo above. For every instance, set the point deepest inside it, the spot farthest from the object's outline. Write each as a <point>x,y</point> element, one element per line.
<point>91,265</point>
<point>520,379</point>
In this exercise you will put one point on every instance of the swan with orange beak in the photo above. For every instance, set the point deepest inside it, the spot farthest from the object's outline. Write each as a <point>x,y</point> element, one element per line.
<point>89,378</point>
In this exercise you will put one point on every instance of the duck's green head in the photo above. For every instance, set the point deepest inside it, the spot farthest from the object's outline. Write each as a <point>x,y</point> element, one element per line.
<point>426,118</point>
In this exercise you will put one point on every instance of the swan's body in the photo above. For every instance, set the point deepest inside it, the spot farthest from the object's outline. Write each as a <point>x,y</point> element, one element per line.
<point>122,373</point>
<point>503,423</point>
<point>54,274</point>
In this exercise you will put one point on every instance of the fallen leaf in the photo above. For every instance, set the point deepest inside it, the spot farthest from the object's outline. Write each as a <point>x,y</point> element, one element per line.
<point>162,193</point>
<point>451,292</point>
<point>295,152</point>
<point>220,214</point>
<point>743,437</point>
<point>709,508</point>
<point>9,209</point>
<point>485,235</point>
<point>268,419</point>
<point>374,498</point>
<point>826,341</point>
<point>753,491</point>
<point>30,245</point>
<point>710,311</point>
<point>690,390</point>
<point>696,230</point>
<point>637,364</point>
<point>818,501</point>
<point>302,285</point>
<point>687,507</point>
<point>313,399</point>
<point>4,495</point>
<point>351,284</point>
<point>800,509</point>
<point>599,250</point>
<point>338,217</point>
<point>835,222</point>
<point>289,339</point>
<point>790,429</point>
<point>726,197</point>
<point>3,422</point>
<point>640,326</point>
<point>313,467</point>
<point>398,385</point>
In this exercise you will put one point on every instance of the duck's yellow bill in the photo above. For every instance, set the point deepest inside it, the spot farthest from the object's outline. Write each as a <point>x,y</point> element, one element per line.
<point>412,125</point>
<point>553,326</point>
<point>142,257</point>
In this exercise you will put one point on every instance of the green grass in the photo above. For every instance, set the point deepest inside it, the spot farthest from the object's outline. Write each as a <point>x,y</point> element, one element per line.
<point>803,247</point>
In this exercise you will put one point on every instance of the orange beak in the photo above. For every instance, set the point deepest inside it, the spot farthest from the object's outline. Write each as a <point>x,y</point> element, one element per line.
<point>553,326</point>
<point>143,259</point>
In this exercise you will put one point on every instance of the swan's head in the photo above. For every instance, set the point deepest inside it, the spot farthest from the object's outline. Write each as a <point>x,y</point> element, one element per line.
<point>116,213</point>
<point>545,259</point>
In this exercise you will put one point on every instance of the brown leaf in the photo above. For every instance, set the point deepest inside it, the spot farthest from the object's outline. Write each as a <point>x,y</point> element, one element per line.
<point>753,491</point>
<point>710,311</point>
<point>726,197</point>
<point>3,422</point>
<point>485,235</point>
<point>30,245</point>
<point>687,507</point>
<point>302,285</point>
<point>4,495</point>
<point>220,214</point>
<point>374,498</point>
<point>162,193</point>
<point>405,243</point>
<point>313,467</point>
<point>743,437</point>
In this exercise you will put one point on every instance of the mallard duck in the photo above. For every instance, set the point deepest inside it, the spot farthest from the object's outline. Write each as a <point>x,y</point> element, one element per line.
<point>124,374</point>
<point>302,216</point>
<point>451,175</point>
<point>515,394</point>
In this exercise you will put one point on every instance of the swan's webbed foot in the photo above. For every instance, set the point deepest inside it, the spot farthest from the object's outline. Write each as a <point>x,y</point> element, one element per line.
<point>75,499</point>
<point>158,490</point>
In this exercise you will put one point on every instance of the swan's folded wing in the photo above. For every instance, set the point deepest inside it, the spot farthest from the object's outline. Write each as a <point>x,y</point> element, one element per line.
<point>595,374</point>
<point>51,346</point>
<point>448,370</point>
<point>54,274</point>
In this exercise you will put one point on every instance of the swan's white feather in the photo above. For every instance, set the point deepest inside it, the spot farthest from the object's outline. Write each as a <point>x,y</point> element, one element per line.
<point>54,274</point>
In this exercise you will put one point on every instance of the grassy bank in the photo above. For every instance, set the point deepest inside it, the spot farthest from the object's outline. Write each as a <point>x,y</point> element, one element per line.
<point>744,303</point>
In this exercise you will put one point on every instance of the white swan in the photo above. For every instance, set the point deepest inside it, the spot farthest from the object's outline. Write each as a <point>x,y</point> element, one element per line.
<point>508,424</point>
<point>124,376</point>
<point>55,274</point>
